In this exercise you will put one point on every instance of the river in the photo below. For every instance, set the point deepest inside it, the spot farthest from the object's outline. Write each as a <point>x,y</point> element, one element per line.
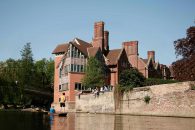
<point>14,120</point>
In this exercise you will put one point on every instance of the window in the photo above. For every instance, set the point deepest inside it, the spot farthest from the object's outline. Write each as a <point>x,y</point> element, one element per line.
<point>82,68</point>
<point>60,87</point>
<point>72,68</point>
<point>75,69</point>
<point>60,74</point>
<point>65,69</point>
<point>78,68</point>
<point>63,87</point>
<point>78,86</point>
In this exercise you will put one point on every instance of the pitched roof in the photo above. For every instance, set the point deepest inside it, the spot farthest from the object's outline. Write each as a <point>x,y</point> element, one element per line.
<point>60,48</point>
<point>144,60</point>
<point>81,45</point>
<point>92,51</point>
<point>113,56</point>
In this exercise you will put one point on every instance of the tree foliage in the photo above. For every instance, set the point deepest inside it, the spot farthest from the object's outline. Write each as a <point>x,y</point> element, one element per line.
<point>44,71</point>
<point>94,74</point>
<point>27,64</point>
<point>185,47</point>
<point>15,74</point>
<point>184,68</point>
<point>131,78</point>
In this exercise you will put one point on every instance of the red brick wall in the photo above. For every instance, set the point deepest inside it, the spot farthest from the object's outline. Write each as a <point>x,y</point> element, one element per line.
<point>74,77</point>
<point>131,47</point>
<point>106,41</point>
<point>98,40</point>
<point>151,54</point>
<point>142,68</point>
<point>113,79</point>
<point>56,79</point>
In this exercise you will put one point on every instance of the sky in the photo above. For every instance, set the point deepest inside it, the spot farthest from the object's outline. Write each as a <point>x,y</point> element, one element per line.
<point>156,24</point>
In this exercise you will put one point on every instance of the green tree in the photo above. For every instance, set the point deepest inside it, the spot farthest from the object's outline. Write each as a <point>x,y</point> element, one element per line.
<point>27,65</point>
<point>131,78</point>
<point>10,91</point>
<point>44,70</point>
<point>94,74</point>
<point>50,72</point>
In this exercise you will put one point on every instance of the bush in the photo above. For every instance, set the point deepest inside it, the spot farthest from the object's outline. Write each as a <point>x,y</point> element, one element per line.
<point>147,99</point>
<point>193,87</point>
<point>153,81</point>
<point>131,78</point>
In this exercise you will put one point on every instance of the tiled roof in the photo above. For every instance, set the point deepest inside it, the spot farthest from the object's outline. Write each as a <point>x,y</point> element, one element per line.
<point>92,51</point>
<point>145,60</point>
<point>60,48</point>
<point>113,56</point>
<point>81,45</point>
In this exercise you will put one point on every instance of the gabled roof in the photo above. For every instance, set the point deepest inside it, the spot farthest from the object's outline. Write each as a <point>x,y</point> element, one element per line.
<point>113,56</point>
<point>81,45</point>
<point>78,43</point>
<point>92,51</point>
<point>61,48</point>
<point>144,60</point>
<point>63,57</point>
<point>156,65</point>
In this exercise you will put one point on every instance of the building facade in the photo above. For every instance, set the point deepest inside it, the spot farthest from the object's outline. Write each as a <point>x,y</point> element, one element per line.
<point>71,59</point>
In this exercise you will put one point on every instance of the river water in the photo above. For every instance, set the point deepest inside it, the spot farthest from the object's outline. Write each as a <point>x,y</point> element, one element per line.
<point>13,120</point>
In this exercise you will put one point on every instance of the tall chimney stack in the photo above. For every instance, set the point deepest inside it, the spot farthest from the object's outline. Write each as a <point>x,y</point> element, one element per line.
<point>98,40</point>
<point>151,54</point>
<point>131,47</point>
<point>106,42</point>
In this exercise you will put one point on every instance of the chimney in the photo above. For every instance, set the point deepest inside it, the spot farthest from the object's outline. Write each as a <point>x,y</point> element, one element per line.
<point>131,47</point>
<point>106,41</point>
<point>98,40</point>
<point>151,54</point>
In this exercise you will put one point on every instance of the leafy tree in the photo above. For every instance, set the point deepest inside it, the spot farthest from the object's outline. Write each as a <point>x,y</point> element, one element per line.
<point>27,64</point>
<point>94,74</point>
<point>184,68</point>
<point>44,72</point>
<point>50,71</point>
<point>131,78</point>
<point>15,74</point>
<point>10,91</point>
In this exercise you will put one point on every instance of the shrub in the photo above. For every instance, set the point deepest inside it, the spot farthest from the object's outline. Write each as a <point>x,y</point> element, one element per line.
<point>131,78</point>
<point>193,87</point>
<point>147,99</point>
<point>153,81</point>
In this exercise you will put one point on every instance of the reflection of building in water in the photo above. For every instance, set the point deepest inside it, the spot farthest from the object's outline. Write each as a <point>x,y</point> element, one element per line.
<point>94,122</point>
<point>63,123</point>
<point>76,121</point>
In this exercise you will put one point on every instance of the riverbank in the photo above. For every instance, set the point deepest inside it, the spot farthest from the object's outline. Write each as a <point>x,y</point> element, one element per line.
<point>36,109</point>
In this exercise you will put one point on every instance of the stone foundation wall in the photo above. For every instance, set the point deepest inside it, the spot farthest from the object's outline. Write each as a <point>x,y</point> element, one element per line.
<point>165,100</point>
<point>102,104</point>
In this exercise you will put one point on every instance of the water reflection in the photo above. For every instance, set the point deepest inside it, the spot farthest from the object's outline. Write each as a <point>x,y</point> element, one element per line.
<point>120,122</point>
<point>39,121</point>
<point>16,120</point>
<point>63,123</point>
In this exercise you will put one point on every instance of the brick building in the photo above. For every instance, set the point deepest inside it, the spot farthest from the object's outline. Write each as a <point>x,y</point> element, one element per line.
<point>71,59</point>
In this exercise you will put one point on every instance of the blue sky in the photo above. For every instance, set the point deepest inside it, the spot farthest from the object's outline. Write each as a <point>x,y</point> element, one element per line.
<point>46,23</point>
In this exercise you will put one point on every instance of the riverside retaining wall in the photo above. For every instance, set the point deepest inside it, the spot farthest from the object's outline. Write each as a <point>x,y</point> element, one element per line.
<point>166,100</point>
<point>102,104</point>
